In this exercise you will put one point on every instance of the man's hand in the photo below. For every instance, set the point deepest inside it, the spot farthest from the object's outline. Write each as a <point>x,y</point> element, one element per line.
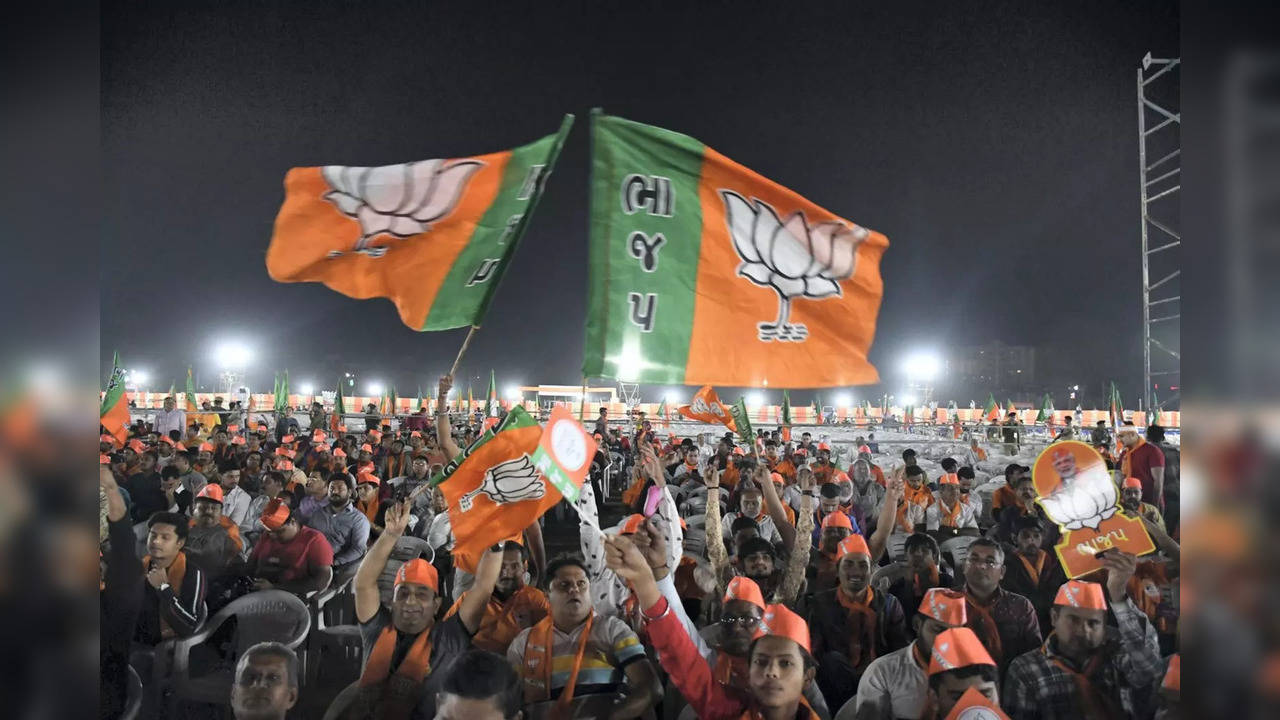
<point>1120,567</point>
<point>652,468</point>
<point>625,559</point>
<point>106,480</point>
<point>157,577</point>
<point>397,519</point>
<point>446,384</point>
<point>651,543</point>
<point>893,491</point>
<point>805,479</point>
<point>712,479</point>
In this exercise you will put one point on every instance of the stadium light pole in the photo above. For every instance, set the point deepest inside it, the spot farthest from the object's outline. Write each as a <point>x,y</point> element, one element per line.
<point>232,357</point>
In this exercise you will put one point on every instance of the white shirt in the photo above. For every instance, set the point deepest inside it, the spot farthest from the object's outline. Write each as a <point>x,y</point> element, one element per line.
<point>966,519</point>
<point>167,420</point>
<point>893,686</point>
<point>768,530</point>
<point>609,592</point>
<point>235,505</point>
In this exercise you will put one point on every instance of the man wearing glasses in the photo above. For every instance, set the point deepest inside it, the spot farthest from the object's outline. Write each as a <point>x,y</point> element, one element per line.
<point>1005,622</point>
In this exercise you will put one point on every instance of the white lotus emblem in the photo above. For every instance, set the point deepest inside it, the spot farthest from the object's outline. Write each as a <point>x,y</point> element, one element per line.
<point>700,406</point>
<point>508,482</point>
<point>796,260</point>
<point>1083,499</point>
<point>397,200</point>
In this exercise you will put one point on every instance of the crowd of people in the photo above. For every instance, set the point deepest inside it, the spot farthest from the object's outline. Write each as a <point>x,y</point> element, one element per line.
<point>779,578</point>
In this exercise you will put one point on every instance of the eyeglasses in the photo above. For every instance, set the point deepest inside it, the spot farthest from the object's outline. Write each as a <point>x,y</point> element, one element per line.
<point>746,621</point>
<point>982,562</point>
<point>565,586</point>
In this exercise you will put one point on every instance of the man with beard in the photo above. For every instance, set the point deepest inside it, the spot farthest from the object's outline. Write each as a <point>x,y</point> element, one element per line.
<point>950,516</point>
<point>576,651</point>
<point>315,495</point>
<point>235,504</point>
<point>823,571</point>
<point>751,506</point>
<point>1025,507</point>
<point>417,477</point>
<point>346,528</point>
<point>853,623</point>
<point>143,485</point>
<point>1085,668</point>
<point>288,556</point>
<point>1143,460</point>
<point>798,539</point>
<point>868,495</point>
<point>266,683</point>
<point>513,606</point>
<point>272,487</point>
<point>1031,571</point>
<point>191,480</point>
<point>1005,622</point>
<point>176,497</point>
<point>213,542</point>
<point>896,685</point>
<point>407,653</point>
<point>911,580</point>
<point>823,469</point>
<point>1006,496</point>
<point>1131,502</point>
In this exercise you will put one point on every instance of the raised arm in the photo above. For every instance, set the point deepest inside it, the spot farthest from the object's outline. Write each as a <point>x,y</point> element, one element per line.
<point>471,607</point>
<point>444,431</point>
<point>773,505</point>
<point>793,576</point>
<point>879,540</point>
<point>368,599</point>
<point>537,550</point>
<point>715,542</point>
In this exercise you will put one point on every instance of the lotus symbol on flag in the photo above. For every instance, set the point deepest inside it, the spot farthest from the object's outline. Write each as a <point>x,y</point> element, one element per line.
<point>796,260</point>
<point>700,406</point>
<point>1084,499</point>
<point>397,200</point>
<point>508,482</point>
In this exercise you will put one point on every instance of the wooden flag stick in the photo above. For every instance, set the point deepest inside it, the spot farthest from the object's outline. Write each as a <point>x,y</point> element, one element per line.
<point>462,350</point>
<point>582,405</point>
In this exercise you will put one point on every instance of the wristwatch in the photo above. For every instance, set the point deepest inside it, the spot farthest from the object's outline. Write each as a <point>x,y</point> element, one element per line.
<point>163,587</point>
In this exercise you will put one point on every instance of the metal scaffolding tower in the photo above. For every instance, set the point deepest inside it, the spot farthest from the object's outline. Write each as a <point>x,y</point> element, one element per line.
<point>1159,133</point>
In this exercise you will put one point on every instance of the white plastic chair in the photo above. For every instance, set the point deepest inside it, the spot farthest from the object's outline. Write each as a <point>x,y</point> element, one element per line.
<point>266,615</point>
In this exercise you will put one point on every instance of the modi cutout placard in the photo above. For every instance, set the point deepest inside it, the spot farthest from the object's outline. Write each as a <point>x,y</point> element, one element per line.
<point>1076,491</point>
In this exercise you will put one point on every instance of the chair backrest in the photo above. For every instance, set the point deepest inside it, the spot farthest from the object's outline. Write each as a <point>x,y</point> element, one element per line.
<point>343,701</point>
<point>133,698</point>
<point>266,615</point>
<point>958,548</point>
<point>407,548</point>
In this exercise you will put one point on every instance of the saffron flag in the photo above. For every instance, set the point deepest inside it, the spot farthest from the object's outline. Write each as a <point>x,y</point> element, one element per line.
<point>191,394</point>
<point>114,413</point>
<point>1117,407</point>
<point>990,411</point>
<point>564,453</point>
<point>706,407</point>
<point>705,272</point>
<point>432,236</point>
<point>786,416</point>
<point>494,492</point>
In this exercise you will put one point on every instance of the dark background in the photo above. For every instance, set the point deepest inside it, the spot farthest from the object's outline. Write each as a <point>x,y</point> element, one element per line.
<point>995,144</point>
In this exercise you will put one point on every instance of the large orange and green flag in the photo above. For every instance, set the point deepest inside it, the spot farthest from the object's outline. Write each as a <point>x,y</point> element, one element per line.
<point>706,407</point>
<point>493,490</point>
<point>705,272</point>
<point>339,409</point>
<point>990,412</point>
<point>114,413</point>
<point>433,236</point>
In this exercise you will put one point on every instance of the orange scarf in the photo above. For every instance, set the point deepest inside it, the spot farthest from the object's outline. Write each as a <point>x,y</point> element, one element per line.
<point>1094,703</point>
<point>1126,462</point>
<point>1034,570</point>
<point>369,509</point>
<point>984,626</point>
<point>731,670</point>
<point>402,687</point>
<point>177,571</point>
<point>538,658</point>
<point>950,516</point>
<point>933,581</point>
<point>805,708</point>
<point>862,627</point>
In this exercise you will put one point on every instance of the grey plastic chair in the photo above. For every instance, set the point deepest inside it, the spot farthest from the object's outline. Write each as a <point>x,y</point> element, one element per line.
<point>342,702</point>
<point>335,638</point>
<point>407,548</point>
<point>266,615</point>
<point>133,696</point>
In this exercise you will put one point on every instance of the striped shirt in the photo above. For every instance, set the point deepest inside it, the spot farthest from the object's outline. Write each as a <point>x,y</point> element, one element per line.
<point>611,647</point>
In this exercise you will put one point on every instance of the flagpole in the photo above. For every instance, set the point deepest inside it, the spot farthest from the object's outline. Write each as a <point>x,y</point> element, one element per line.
<point>458,360</point>
<point>582,406</point>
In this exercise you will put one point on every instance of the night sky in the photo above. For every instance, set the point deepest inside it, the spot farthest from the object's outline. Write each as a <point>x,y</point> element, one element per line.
<point>996,148</point>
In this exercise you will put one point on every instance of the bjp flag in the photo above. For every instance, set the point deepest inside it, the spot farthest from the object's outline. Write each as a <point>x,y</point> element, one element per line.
<point>706,407</point>
<point>495,491</point>
<point>705,272</point>
<point>114,412</point>
<point>432,236</point>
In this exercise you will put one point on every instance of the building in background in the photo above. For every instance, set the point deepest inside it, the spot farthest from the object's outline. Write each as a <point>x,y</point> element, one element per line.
<point>992,367</point>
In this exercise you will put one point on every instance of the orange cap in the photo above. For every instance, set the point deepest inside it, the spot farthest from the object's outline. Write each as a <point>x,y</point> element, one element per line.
<point>945,606</point>
<point>745,589</point>
<point>777,478</point>
<point>415,433</point>
<point>949,479</point>
<point>781,622</point>
<point>206,446</point>
<point>339,452</point>
<point>376,435</point>
<point>262,427</point>
<point>103,459</point>
<point>864,449</point>
<point>840,476</point>
<point>282,451</point>
<point>631,524</point>
<point>342,428</point>
<point>275,514</point>
<point>824,446</point>
<point>366,448</point>
<point>973,705</point>
<point>318,436</point>
<point>180,446</point>
<point>1132,482</point>
<point>237,440</point>
<point>107,439</point>
<point>233,428</point>
<point>367,477</point>
<point>1076,593</point>
<point>287,439</point>
<point>855,543</point>
<point>837,519</point>
<point>285,465</point>
<point>166,439</point>
<point>211,491</point>
<point>1173,676</point>
<point>137,446</point>
<point>418,572</point>
<point>957,648</point>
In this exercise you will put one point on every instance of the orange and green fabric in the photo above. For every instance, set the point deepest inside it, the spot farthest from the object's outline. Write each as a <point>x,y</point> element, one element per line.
<point>705,272</point>
<point>432,236</point>
<point>191,393</point>
<point>114,413</point>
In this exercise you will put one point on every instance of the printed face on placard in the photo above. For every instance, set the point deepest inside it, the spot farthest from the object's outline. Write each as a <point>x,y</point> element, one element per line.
<point>568,446</point>
<point>1073,485</point>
